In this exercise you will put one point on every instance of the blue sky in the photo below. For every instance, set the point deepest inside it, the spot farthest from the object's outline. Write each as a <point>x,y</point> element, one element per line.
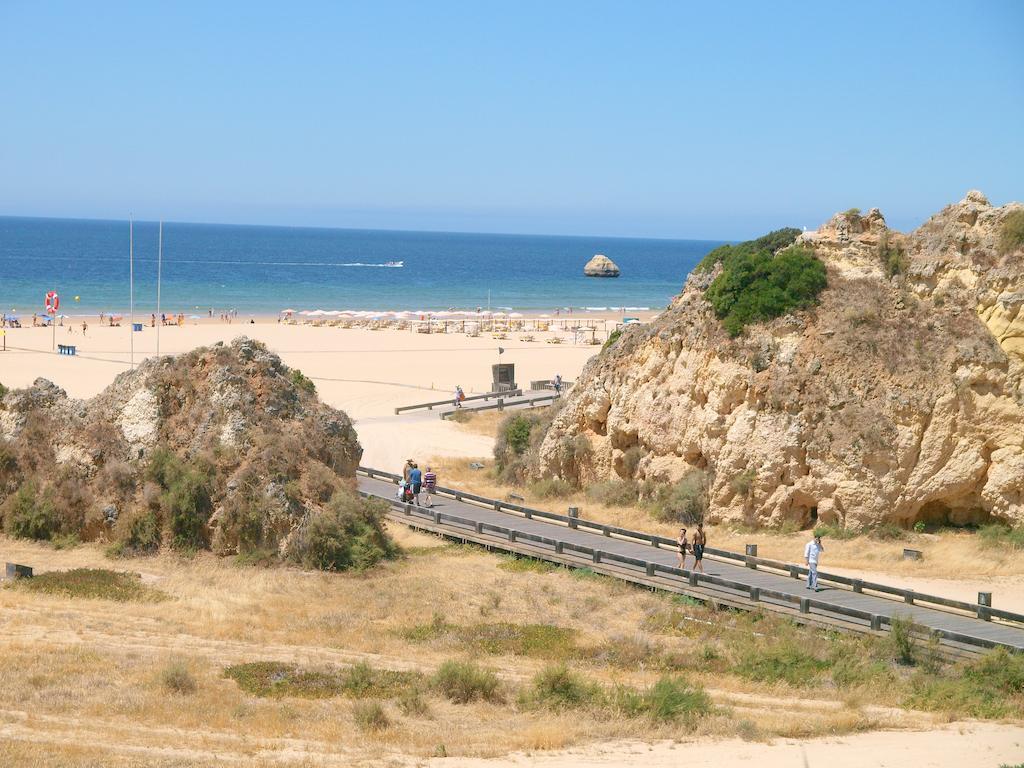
<point>663,119</point>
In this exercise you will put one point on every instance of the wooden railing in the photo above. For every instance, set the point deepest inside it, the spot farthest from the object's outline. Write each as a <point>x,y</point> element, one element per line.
<point>451,400</point>
<point>502,404</point>
<point>910,597</point>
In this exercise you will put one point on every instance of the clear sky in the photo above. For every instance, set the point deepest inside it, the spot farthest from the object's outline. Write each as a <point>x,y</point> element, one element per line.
<point>663,119</point>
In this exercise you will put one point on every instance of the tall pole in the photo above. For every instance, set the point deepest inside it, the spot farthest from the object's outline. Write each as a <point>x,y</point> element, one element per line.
<point>131,291</point>
<point>159,266</point>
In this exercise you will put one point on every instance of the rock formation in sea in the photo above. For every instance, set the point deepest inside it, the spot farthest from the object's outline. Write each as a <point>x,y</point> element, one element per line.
<point>896,397</point>
<point>224,446</point>
<point>601,266</point>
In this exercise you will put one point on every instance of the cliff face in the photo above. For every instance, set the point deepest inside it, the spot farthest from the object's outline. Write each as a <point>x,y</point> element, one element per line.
<point>266,449</point>
<point>897,398</point>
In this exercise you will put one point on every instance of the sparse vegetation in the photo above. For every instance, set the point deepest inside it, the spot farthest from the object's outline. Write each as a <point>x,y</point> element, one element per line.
<point>742,483</point>
<point>303,382</point>
<point>370,716</point>
<point>551,488</point>
<point>1011,233</point>
<point>557,687</point>
<point>515,447</point>
<point>762,279</point>
<point>999,535</point>
<point>612,338</point>
<point>361,681</point>
<point>95,584</point>
<point>620,493</point>
<point>464,681</point>
<point>838,532</point>
<point>176,678</point>
<point>893,256</point>
<point>541,641</point>
<point>684,502</point>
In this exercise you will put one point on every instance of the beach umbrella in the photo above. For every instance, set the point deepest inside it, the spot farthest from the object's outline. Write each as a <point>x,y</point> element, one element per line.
<point>194,317</point>
<point>515,314</point>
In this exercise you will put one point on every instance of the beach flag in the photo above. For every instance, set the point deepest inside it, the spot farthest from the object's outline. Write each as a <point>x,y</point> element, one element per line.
<point>501,350</point>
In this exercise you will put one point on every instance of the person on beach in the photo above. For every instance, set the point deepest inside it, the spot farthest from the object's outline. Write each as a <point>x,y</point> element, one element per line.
<point>683,545</point>
<point>85,327</point>
<point>152,321</point>
<point>812,554</point>
<point>459,396</point>
<point>557,383</point>
<point>429,484</point>
<point>416,481</point>
<point>700,541</point>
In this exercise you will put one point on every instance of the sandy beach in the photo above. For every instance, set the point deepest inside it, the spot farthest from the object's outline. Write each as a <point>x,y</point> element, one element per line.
<point>366,373</point>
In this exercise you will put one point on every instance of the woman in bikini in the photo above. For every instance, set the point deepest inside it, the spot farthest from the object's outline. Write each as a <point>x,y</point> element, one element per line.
<point>682,548</point>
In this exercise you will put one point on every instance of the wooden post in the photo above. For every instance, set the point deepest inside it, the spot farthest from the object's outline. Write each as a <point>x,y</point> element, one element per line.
<point>751,553</point>
<point>650,569</point>
<point>908,596</point>
<point>755,594</point>
<point>876,622</point>
<point>858,585</point>
<point>805,605</point>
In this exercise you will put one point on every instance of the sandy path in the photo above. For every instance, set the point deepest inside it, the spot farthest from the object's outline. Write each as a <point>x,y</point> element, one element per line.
<point>962,745</point>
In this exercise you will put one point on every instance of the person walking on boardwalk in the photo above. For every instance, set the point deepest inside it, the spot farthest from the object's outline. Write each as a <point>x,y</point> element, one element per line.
<point>557,384</point>
<point>812,554</point>
<point>416,481</point>
<point>459,396</point>
<point>429,484</point>
<point>406,469</point>
<point>700,540</point>
<point>683,544</point>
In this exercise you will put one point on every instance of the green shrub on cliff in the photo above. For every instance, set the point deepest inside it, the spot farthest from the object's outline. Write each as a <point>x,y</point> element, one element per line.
<point>759,282</point>
<point>1011,236</point>
<point>186,498</point>
<point>347,534</point>
<point>29,514</point>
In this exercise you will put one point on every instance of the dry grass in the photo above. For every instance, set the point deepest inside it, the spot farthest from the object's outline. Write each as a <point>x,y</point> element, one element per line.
<point>94,682</point>
<point>482,423</point>
<point>947,554</point>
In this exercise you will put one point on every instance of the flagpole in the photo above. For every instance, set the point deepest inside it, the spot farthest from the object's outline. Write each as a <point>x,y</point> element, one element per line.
<point>159,266</point>
<point>131,291</point>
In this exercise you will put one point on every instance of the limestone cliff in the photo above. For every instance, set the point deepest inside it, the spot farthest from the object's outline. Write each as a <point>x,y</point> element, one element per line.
<point>897,398</point>
<point>263,447</point>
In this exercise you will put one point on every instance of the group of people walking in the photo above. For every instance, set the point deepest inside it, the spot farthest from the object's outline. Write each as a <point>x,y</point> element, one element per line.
<point>696,547</point>
<point>415,483</point>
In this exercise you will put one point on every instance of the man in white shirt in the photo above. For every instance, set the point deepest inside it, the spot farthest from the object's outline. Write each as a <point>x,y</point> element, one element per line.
<point>812,553</point>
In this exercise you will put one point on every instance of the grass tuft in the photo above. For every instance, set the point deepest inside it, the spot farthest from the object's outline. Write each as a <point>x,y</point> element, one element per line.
<point>176,678</point>
<point>370,716</point>
<point>276,679</point>
<point>464,681</point>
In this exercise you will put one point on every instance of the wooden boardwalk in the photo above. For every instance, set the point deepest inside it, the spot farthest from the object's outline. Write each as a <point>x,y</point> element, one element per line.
<point>731,579</point>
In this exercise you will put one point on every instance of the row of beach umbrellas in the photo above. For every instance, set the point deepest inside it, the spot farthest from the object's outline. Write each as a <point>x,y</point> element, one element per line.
<point>405,315</point>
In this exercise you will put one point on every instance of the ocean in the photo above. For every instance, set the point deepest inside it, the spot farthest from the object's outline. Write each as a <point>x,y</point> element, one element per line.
<point>264,269</point>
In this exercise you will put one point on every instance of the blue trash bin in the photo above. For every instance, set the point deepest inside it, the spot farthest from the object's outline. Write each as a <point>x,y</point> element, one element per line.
<point>136,326</point>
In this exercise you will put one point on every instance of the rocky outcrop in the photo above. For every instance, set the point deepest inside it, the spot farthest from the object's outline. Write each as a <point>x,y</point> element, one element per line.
<point>269,450</point>
<point>897,398</point>
<point>601,266</point>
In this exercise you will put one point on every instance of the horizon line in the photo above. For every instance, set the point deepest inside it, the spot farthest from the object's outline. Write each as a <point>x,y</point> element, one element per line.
<point>363,229</point>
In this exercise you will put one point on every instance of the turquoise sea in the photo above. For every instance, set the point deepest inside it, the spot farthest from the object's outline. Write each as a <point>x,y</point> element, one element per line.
<point>263,269</point>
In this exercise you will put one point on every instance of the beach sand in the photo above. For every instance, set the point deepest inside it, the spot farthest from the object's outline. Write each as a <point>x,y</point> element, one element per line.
<point>365,373</point>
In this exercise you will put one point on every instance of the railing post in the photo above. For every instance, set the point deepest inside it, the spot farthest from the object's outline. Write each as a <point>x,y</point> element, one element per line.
<point>480,528</point>
<point>693,578</point>
<point>597,555</point>
<point>437,518</point>
<point>650,569</point>
<point>876,622</point>
<point>605,531</point>
<point>572,522</point>
<point>528,514</point>
<point>751,553</point>
<point>558,547</point>
<point>805,605</point>
<point>908,596</point>
<point>501,404</point>
<point>755,594</point>
<point>858,585</point>
<point>512,536</point>
<point>984,606</point>
<point>794,571</point>
<point>497,506</point>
